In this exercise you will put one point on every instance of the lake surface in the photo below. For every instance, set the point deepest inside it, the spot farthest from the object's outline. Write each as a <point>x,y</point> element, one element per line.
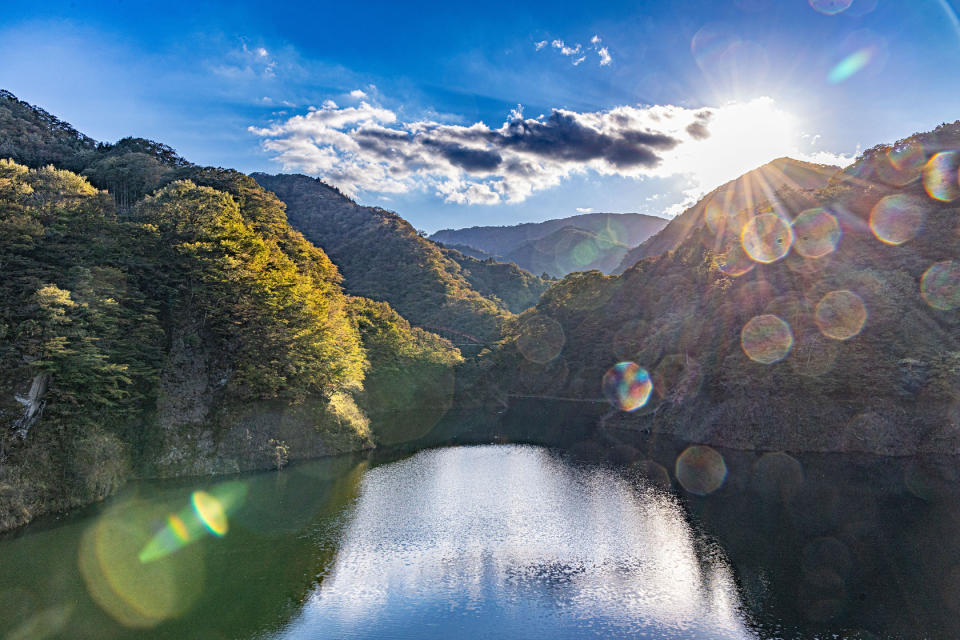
<point>502,542</point>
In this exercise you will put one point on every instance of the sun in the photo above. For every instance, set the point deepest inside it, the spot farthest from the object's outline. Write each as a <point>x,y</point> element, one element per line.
<point>743,136</point>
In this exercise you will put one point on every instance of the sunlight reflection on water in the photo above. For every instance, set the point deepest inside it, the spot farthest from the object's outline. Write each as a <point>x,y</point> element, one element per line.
<point>483,542</point>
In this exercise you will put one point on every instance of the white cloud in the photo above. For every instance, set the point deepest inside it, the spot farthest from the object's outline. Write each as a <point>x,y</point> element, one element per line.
<point>578,51</point>
<point>244,64</point>
<point>368,148</point>
<point>358,94</point>
<point>564,49</point>
<point>584,209</point>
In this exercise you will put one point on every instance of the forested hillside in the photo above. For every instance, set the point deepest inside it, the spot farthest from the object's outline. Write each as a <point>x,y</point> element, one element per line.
<point>751,190</point>
<point>567,250</point>
<point>174,325</point>
<point>383,257</point>
<point>821,319</point>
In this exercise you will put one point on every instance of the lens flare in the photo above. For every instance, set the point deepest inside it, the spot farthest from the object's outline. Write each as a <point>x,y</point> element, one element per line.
<point>541,339</point>
<point>902,164</point>
<point>777,475</point>
<point>940,285</point>
<point>850,65</point>
<point>941,176</point>
<point>813,354</point>
<point>766,339</point>
<point>134,593</point>
<point>830,7</point>
<point>179,528</point>
<point>709,45</point>
<point>651,472</point>
<point>701,469</point>
<point>627,386</point>
<point>816,233</point>
<point>897,218</point>
<point>677,377</point>
<point>766,238</point>
<point>715,217</point>
<point>179,531</point>
<point>736,262</point>
<point>840,315</point>
<point>210,512</point>
<point>188,526</point>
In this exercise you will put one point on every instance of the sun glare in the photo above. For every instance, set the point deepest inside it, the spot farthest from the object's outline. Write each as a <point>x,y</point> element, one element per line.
<point>743,136</point>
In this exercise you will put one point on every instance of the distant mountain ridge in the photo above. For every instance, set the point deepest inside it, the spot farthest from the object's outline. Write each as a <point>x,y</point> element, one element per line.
<point>549,246</point>
<point>567,250</point>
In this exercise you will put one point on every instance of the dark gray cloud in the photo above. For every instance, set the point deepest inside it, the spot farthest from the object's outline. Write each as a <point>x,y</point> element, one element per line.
<point>698,130</point>
<point>365,148</point>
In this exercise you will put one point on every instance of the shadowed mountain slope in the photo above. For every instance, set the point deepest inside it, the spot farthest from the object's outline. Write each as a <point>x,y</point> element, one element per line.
<point>382,257</point>
<point>824,319</point>
<point>746,192</point>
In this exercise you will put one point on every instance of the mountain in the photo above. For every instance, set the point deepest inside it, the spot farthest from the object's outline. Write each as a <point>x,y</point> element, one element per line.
<point>530,244</point>
<point>817,319</point>
<point>567,250</point>
<point>499,280</point>
<point>189,331</point>
<point>744,193</point>
<point>383,257</point>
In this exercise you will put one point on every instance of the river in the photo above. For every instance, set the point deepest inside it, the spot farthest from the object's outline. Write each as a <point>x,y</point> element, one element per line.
<point>501,541</point>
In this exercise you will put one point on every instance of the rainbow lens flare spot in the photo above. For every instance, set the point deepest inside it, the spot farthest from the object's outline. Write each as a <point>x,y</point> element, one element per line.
<point>179,528</point>
<point>210,512</point>
<point>816,233</point>
<point>627,386</point>
<point>840,315</point>
<point>941,176</point>
<point>850,65</point>
<point>736,262</point>
<point>830,7</point>
<point>766,339</point>
<point>940,285</point>
<point>715,217</point>
<point>701,470</point>
<point>133,592</point>
<point>897,218</point>
<point>766,238</point>
<point>903,164</point>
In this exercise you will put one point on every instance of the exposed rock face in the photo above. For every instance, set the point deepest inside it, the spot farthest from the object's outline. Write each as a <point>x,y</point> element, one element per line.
<point>33,403</point>
<point>204,433</point>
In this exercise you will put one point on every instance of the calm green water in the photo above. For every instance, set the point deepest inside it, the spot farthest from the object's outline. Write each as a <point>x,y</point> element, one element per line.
<point>501,542</point>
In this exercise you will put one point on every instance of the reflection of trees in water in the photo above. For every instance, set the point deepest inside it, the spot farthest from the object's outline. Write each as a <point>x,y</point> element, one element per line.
<point>254,579</point>
<point>837,543</point>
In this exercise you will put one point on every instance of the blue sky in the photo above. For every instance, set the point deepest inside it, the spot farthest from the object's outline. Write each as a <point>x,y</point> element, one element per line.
<point>384,99</point>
